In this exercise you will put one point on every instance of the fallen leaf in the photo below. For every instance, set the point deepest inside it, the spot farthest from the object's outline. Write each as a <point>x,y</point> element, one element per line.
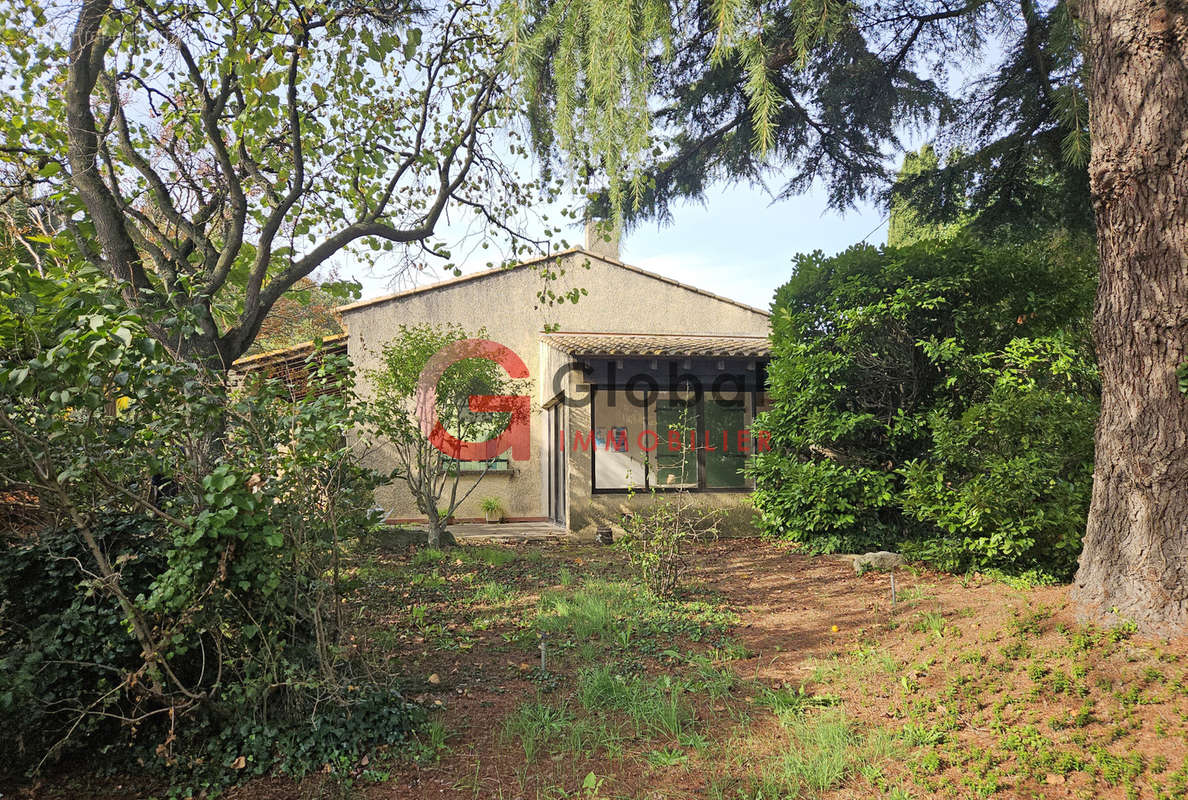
<point>239,763</point>
<point>434,679</point>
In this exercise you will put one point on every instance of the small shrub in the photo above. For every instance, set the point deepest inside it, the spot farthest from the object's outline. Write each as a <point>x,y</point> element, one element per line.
<point>657,537</point>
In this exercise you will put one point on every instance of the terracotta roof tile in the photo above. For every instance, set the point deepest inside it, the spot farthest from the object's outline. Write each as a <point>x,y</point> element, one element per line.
<point>658,344</point>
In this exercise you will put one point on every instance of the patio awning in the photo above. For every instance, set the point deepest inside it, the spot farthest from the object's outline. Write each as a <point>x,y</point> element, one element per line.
<point>677,345</point>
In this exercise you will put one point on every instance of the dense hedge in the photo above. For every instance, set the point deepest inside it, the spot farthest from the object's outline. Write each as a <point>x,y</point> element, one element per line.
<point>937,399</point>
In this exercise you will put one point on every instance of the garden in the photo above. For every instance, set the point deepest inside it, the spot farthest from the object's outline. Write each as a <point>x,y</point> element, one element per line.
<point>552,672</point>
<point>200,598</point>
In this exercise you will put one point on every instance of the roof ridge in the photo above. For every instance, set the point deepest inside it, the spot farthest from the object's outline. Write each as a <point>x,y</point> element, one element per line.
<point>292,349</point>
<point>483,273</point>
<point>646,333</point>
<point>569,251</point>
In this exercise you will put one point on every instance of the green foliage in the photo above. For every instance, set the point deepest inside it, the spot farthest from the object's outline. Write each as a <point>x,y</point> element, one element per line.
<point>585,71</point>
<point>614,610</point>
<point>816,92</point>
<point>433,478</point>
<point>789,704</point>
<point>938,398</point>
<point>187,600</point>
<point>829,507</point>
<point>656,707</point>
<point>538,726</point>
<point>656,537</point>
<point>908,224</point>
<point>63,643</point>
<point>211,155</point>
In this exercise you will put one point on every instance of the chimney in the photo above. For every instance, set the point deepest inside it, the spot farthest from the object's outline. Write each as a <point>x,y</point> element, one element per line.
<point>602,238</point>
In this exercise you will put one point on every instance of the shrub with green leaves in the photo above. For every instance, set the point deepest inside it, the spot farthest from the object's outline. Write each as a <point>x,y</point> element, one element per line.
<point>186,599</point>
<point>937,398</point>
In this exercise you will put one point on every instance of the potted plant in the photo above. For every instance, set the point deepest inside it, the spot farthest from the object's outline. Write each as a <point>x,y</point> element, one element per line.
<point>492,509</point>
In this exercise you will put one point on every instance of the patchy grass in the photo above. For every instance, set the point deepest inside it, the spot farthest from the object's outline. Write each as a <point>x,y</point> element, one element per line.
<point>771,676</point>
<point>747,686</point>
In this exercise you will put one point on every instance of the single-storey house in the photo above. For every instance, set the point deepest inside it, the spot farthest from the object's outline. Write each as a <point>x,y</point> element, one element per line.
<point>643,385</point>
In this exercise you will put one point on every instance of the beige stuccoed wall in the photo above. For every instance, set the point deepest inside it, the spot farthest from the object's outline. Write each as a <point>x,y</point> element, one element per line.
<point>507,304</point>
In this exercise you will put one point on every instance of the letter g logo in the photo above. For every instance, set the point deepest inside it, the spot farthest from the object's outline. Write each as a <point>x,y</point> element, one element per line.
<point>516,435</point>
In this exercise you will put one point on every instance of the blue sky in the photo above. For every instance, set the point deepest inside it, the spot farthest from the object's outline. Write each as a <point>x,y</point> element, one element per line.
<point>738,243</point>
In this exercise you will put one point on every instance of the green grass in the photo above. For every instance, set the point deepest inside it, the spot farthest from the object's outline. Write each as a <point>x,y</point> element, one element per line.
<point>599,608</point>
<point>715,681</point>
<point>823,751</point>
<point>931,622</point>
<point>492,593</point>
<point>657,707</point>
<point>539,727</point>
<point>820,756</point>
<point>621,612</point>
<point>427,557</point>
<point>491,556</point>
<point>544,728</point>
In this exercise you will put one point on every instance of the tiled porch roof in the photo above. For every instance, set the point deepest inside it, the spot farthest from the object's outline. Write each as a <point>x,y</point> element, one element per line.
<point>659,344</point>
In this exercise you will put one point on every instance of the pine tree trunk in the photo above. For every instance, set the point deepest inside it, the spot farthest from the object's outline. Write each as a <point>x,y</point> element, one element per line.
<point>1135,561</point>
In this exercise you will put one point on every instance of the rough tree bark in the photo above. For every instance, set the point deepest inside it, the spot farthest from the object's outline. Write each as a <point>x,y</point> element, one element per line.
<point>1135,560</point>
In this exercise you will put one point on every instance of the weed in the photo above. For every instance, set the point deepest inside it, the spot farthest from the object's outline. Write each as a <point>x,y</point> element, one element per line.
<point>820,756</point>
<point>538,726</point>
<point>730,650</point>
<point>656,707</point>
<point>915,734</point>
<point>931,622</point>
<point>788,703</point>
<point>429,743</point>
<point>595,609</point>
<point>1123,631</point>
<point>717,682</point>
<point>491,556</point>
<point>589,737</point>
<point>916,594</point>
<point>427,557</point>
<point>668,757</point>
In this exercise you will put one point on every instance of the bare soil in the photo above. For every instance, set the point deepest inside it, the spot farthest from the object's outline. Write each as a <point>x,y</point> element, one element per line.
<point>987,690</point>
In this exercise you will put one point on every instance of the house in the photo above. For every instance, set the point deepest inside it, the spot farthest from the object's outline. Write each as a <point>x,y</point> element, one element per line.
<point>623,383</point>
<point>290,365</point>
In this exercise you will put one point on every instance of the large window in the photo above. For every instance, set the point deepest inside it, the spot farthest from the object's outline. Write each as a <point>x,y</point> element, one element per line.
<point>667,440</point>
<point>619,461</point>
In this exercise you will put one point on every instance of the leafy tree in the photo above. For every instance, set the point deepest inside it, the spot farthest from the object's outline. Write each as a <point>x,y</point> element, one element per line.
<point>434,478</point>
<point>937,398</point>
<point>818,90</point>
<point>831,67</point>
<point>194,609</point>
<point>207,156</point>
<point>907,221</point>
<point>304,313</point>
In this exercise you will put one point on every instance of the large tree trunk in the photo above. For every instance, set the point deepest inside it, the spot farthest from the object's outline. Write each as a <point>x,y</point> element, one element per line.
<point>1135,562</point>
